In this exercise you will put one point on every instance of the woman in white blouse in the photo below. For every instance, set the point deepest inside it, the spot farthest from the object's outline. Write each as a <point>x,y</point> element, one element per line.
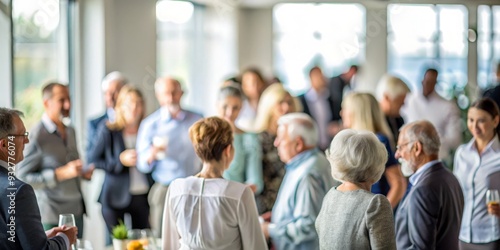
<point>206,211</point>
<point>477,167</point>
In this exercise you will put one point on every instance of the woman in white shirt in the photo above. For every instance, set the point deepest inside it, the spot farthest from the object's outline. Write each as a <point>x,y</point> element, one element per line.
<point>477,167</point>
<point>206,211</point>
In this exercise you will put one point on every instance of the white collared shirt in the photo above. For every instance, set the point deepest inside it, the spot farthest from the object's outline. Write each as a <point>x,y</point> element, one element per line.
<point>416,177</point>
<point>443,114</point>
<point>476,174</point>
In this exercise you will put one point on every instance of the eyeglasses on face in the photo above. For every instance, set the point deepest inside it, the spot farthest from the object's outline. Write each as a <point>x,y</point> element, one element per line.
<point>398,147</point>
<point>26,135</point>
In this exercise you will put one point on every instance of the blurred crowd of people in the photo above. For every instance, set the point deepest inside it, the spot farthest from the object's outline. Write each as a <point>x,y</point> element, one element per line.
<point>333,168</point>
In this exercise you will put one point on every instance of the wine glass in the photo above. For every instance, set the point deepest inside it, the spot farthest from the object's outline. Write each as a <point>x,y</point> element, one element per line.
<point>67,220</point>
<point>82,244</point>
<point>148,239</point>
<point>492,197</point>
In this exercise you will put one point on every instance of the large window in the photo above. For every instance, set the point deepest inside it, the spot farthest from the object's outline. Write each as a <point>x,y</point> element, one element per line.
<point>329,35</point>
<point>488,44</point>
<point>196,44</point>
<point>40,41</point>
<point>422,36</point>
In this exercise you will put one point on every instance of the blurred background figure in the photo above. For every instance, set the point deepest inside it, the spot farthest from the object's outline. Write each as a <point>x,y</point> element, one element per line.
<point>477,168</point>
<point>443,114</point>
<point>275,102</point>
<point>111,85</point>
<point>252,84</point>
<point>318,103</point>
<point>232,81</point>
<point>494,92</point>
<point>305,184</point>
<point>391,95</point>
<point>341,85</point>
<point>246,166</point>
<point>52,164</point>
<point>363,220</point>
<point>206,211</point>
<point>163,146</point>
<point>125,189</point>
<point>361,111</point>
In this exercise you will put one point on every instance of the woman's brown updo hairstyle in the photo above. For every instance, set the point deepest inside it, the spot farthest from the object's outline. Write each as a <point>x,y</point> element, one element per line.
<point>210,136</point>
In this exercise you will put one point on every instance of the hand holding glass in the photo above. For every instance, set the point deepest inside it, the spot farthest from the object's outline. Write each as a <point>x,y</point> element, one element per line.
<point>67,220</point>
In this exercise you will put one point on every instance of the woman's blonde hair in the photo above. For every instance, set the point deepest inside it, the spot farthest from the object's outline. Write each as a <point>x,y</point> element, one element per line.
<point>125,91</point>
<point>273,94</point>
<point>210,136</point>
<point>366,114</point>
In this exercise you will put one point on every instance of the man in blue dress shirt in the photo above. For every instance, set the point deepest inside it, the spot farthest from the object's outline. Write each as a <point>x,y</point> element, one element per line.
<point>163,145</point>
<point>307,180</point>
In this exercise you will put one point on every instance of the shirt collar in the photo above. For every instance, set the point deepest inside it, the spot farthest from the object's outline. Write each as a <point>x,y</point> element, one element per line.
<point>494,145</point>
<point>312,95</point>
<point>110,112</point>
<point>165,114</point>
<point>416,177</point>
<point>4,164</point>
<point>298,159</point>
<point>48,123</point>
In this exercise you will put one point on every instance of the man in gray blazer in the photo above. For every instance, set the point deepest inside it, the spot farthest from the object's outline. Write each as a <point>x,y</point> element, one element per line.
<point>20,223</point>
<point>429,216</point>
<point>51,164</point>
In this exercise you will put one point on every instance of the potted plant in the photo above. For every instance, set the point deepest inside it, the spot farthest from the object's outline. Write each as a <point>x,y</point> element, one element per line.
<point>119,233</point>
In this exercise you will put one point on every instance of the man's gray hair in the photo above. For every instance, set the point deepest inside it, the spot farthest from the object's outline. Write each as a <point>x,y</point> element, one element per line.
<point>391,86</point>
<point>300,125</point>
<point>162,80</point>
<point>424,132</point>
<point>7,121</point>
<point>112,77</point>
<point>357,156</point>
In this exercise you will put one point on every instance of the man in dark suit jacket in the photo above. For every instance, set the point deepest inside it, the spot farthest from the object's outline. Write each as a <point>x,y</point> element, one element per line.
<point>20,222</point>
<point>429,216</point>
<point>111,85</point>
<point>494,93</point>
<point>319,104</point>
<point>339,84</point>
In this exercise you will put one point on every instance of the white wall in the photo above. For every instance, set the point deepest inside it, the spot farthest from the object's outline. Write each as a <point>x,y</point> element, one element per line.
<point>5,56</point>
<point>114,35</point>
<point>255,36</point>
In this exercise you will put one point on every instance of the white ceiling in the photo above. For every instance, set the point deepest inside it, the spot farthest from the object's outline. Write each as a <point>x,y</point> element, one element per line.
<point>269,3</point>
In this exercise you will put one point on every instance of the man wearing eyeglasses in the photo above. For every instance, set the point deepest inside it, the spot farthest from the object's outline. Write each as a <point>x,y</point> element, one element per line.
<point>20,222</point>
<point>52,164</point>
<point>429,216</point>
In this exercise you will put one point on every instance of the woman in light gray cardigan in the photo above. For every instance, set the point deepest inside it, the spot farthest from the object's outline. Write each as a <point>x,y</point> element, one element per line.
<point>351,216</point>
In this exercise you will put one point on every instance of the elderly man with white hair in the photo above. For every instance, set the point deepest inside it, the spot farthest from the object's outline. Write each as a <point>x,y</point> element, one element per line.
<point>391,95</point>
<point>306,182</point>
<point>352,217</point>
<point>430,216</point>
<point>163,145</point>
<point>111,85</point>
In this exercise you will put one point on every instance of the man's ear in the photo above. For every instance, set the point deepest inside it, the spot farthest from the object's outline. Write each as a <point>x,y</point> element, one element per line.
<point>45,103</point>
<point>386,98</point>
<point>3,145</point>
<point>300,144</point>
<point>419,149</point>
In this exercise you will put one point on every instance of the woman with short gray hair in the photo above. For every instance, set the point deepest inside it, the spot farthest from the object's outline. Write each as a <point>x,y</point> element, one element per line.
<point>351,216</point>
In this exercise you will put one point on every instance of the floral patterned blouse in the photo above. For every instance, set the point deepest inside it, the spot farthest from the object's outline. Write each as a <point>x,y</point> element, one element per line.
<point>273,172</point>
